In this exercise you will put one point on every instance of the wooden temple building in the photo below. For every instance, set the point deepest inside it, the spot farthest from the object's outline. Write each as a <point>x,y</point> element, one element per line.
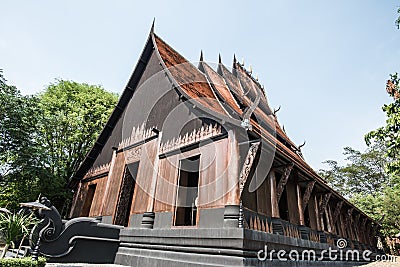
<point>195,165</point>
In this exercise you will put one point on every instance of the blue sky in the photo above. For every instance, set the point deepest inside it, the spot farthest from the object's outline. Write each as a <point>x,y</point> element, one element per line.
<point>324,62</point>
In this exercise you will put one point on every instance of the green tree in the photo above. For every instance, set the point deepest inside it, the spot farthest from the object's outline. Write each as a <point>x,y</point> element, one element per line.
<point>390,133</point>
<point>73,114</point>
<point>365,182</point>
<point>21,155</point>
<point>44,138</point>
<point>364,173</point>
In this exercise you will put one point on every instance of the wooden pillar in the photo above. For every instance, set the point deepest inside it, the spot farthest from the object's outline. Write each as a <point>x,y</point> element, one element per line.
<point>322,209</point>
<point>233,191</point>
<point>313,213</point>
<point>152,193</point>
<point>274,200</point>
<point>356,226</point>
<point>291,189</point>
<point>330,220</point>
<point>300,205</point>
<point>363,231</point>
<point>336,218</point>
<point>349,223</point>
<point>343,225</point>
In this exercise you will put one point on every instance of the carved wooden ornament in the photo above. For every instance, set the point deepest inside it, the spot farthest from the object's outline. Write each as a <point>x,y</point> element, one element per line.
<point>248,163</point>
<point>282,182</point>
<point>337,211</point>
<point>307,194</point>
<point>324,203</point>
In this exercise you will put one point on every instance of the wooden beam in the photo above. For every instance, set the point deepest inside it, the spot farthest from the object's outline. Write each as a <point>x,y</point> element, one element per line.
<point>307,195</point>
<point>282,182</point>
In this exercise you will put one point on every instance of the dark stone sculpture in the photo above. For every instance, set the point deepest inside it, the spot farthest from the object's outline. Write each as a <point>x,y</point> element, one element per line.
<point>77,240</point>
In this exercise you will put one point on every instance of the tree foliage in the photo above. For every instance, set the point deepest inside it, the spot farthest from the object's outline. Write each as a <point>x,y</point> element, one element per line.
<point>365,182</point>
<point>72,115</point>
<point>44,137</point>
<point>364,173</point>
<point>390,133</point>
<point>21,154</point>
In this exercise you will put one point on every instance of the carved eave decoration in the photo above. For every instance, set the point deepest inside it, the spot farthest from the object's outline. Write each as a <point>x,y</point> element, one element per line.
<point>324,202</point>
<point>138,134</point>
<point>307,194</point>
<point>282,182</point>
<point>197,135</point>
<point>337,211</point>
<point>247,165</point>
<point>96,171</point>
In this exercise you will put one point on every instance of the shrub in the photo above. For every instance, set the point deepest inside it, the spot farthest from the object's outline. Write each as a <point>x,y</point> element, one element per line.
<point>22,262</point>
<point>14,226</point>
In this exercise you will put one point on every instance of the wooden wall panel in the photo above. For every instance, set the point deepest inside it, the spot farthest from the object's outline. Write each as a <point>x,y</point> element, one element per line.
<point>313,210</point>
<point>144,178</point>
<point>166,184</point>
<point>115,178</point>
<point>97,203</point>
<point>221,175</point>
<point>264,199</point>
<point>291,187</point>
<point>78,201</point>
<point>213,176</point>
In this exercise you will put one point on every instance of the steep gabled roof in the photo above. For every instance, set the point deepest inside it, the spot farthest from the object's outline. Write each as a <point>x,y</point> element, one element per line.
<point>220,87</point>
<point>187,77</point>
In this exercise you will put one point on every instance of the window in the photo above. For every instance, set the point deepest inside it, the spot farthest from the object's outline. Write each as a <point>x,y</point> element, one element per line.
<point>187,192</point>
<point>88,200</point>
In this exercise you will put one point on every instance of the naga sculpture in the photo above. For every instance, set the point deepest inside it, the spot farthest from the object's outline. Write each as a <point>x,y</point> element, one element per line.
<point>67,241</point>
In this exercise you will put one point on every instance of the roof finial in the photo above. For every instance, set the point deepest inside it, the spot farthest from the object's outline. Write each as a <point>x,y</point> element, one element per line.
<point>276,110</point>
<point>152,25</point>
<point>201,55</point>
<point>250,69</point>
<point>243,61</point>
<point>300,146</point>
<point>234,59</point>
<point>257,77</point>
<point>219,59</point>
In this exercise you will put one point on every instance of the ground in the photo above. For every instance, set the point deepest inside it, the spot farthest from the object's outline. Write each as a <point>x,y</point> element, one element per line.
<point>395,263</point>
<point>375,264</point>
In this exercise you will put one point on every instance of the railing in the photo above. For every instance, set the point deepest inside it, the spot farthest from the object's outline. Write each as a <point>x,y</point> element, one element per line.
<point>262,223</point>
